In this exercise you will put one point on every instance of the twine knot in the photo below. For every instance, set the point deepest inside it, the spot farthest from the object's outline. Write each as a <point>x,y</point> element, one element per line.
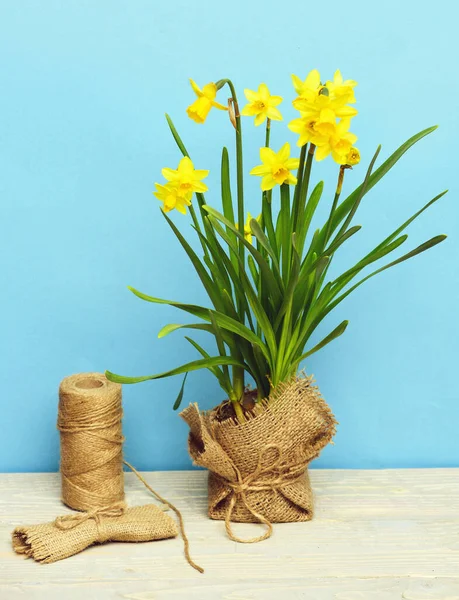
<point>271,476</point>
<point>68,522</point>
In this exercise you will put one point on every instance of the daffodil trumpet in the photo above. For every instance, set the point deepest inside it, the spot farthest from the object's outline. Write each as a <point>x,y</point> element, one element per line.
<point>267,278</point>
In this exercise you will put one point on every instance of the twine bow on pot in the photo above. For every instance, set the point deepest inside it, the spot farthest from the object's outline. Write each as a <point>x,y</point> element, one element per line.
<point>270,477</point>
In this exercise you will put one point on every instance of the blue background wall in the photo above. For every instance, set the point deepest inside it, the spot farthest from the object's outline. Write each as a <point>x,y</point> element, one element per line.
<point>84,86</point>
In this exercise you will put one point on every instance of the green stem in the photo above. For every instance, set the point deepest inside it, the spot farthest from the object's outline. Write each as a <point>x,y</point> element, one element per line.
<point>238,393</point>
<point>296,195</point>
<point>285,229</point>
<point>334,205</point>
<point>264,196</point>
<point>198,229</point>
<point>304,193</point>
<point>238,377</point>
<point>268,132</point>
<point>239,162</point>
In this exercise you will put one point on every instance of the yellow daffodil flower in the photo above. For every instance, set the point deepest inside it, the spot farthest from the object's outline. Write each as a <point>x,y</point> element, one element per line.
<point>200,108</point>
<point>313,129</point>
<point>262,105</point>
<point>247,228</point>
<point>170,197</point>
<point>338,144</point>
<point>353,157</point>
<point>313,97</point>
<point>305,127</point>
<point>186,177</point>
<point>342,89</point>
<point>313,108</point>
<point>310,87</point>
<point>276,167</point>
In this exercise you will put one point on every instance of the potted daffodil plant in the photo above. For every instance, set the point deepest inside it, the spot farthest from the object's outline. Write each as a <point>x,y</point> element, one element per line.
<point>269,288</point>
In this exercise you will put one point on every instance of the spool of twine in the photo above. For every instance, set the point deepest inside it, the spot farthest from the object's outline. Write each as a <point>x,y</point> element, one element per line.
<point>89,421</point>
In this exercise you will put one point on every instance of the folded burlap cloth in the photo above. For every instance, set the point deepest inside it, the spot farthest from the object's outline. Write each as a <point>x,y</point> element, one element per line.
<point>257,469</point>
<point>74,532</point>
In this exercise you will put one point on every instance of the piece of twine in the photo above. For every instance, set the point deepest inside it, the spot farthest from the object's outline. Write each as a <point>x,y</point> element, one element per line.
<point>272,476</point>
<point>89,421</point>
<point>68,522</point>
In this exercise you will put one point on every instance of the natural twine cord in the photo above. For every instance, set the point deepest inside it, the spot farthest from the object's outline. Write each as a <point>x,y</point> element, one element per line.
<point>186,543</point>
<point>68,522</point>
<point>274,476</point>
<point>89,421</point>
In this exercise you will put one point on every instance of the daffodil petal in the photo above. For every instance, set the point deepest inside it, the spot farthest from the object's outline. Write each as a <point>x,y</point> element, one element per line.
<point>196,88</point>
<point>218,105</point>
<point>263,91</point>
<point>260,170</point>
<point>209,90</point>
<point>260,118</point>
<point>313,79</point>
<point>251,95</point>
<point>275,100</point>
<point>185,165</point>
<point>169,174</point>
<point>297,83</point>
<point>346,111</point>
<point>250,110</point>
<point>284,153</point>
<point>267,156</point>
<point>200,173</point>
<point>322,152</point>
<point>274,114</point>
<point>200,187</point>
<point>181,208</point>
<point>267,183</point>
<point>292,163</point>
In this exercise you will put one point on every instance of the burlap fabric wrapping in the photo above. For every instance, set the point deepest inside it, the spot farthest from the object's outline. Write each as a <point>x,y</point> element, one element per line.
<point>257,470</point>
<point>72,533</point>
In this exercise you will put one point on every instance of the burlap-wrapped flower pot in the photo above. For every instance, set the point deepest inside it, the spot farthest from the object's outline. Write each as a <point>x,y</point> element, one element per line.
<point>258,469</point>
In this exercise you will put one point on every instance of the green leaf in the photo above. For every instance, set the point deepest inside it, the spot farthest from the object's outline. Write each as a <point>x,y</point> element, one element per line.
<point>203,313</point>
<point>220,344</point>
<point>338,241</point>
<point>255,303</point>
<point>422,248</point>
<point>310,209</point>
<point>264,241</point>
<point>210,287</point>
<point>204,363</point>
<point>179,399</point>
<point>271,282</point>
<point>171,327</point>
<point>362,191</point>
<point>344,208</point>
<point>176,136</point>
<point>329,338</point>
<point>253,271</point>
<point>267,215</point>
<point>216,372</point>
<point>227,201</point>
<point>409,221</point>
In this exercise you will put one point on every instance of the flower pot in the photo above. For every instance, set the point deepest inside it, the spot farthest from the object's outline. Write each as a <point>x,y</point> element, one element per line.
<point>258,469</point>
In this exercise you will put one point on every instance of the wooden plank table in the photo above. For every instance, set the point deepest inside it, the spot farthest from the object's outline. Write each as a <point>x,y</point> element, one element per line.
<point>377,535</point>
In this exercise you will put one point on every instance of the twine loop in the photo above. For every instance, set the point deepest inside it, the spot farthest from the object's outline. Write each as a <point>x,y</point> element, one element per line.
<point>270,476</point>
<point>68,522</point>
